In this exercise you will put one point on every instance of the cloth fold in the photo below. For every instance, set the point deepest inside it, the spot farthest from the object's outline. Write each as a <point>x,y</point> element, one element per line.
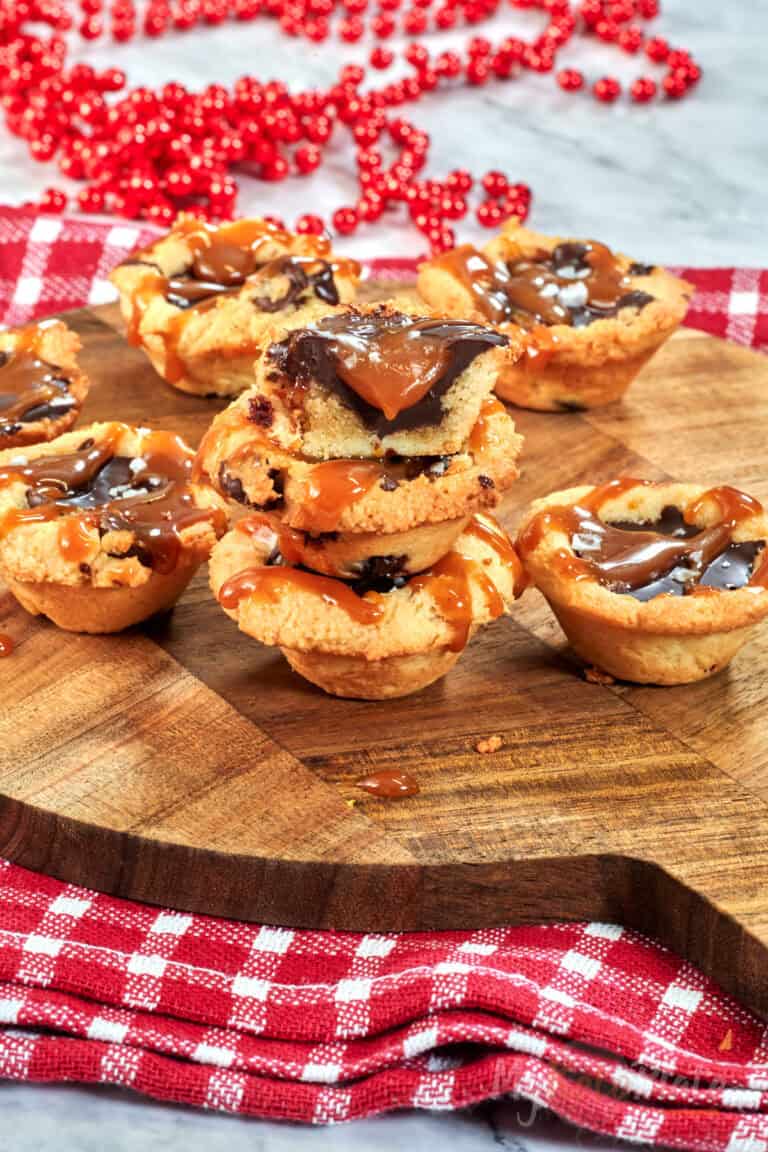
<point>602,1026</point>
<point>594,1022</point>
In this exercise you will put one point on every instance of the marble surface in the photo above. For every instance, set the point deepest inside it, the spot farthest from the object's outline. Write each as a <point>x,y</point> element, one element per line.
<point>677,183</point>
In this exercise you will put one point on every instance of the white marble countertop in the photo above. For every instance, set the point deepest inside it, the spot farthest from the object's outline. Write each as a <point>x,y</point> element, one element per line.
<point>682,184</point>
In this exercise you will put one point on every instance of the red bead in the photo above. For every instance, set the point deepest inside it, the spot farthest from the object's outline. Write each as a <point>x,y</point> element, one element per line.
<point>351,30</point>
<point>479,46</point>
<point>417,55</point>
<point>657,49</point>
<point>674,85</point>
<point>415,23</point>
<point>570,79</point>
<point>607,89</point>
<point>648,9</point>
<point>489,214</point>
<point>477,71</point>
<point>643,89</point>
<point>630,39</point>
<point>448,64</point>
<point>460,180</point>
<point>441,239</point>
<point>370,207</point>
<point>381,58</point>
<point>445,18</point>
<point>382,26</point>
<point>345,220</point>
<point>310,225</point>
<point>307,158</point>
<point>495,183</point>
<point>53,200</point>
<point>91,28</point>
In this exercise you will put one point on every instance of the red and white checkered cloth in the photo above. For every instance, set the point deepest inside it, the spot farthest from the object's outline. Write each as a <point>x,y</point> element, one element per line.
<point>52,263</point>
<point>604,1027</point>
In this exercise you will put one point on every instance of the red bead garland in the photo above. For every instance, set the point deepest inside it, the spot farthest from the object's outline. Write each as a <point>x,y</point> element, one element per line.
<point>148,153</point>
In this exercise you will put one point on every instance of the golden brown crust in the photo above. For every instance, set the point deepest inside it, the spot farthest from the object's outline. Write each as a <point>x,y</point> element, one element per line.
<point>563,367</point>
<point>57,345</point>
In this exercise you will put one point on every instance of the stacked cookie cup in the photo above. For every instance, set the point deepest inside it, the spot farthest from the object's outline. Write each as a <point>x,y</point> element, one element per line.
<point>361,465</point>
<point>344,495</point>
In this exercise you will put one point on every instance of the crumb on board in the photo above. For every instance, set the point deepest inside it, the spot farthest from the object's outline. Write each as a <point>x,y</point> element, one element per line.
<point>597,676</point>
<point>350,803</point>
<point>489,744</point>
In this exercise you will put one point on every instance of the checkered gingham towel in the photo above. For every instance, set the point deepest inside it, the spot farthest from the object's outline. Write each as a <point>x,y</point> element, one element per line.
<point>594,1022</point>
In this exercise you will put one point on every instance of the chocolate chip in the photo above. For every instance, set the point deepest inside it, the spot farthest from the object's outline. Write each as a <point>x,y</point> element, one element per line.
<point>85,569</point>
<point>388,483</point>
<point>638,269</point>
<point>432,466</point>
<point>9,429</point>
<point>380,574</point>
<point>486,482</point>
<point>634,299</point>
<point>4,358</point>
<point>261,411</point>
<point>231,485</point>
<point>86,444</point>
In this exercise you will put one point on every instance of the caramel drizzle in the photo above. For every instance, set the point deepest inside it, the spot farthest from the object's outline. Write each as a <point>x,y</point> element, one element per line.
<point>334,486</point>
<point>479,437</point>
<point>645,556</point>
<point>154,518</point>
<point>27,382</point>
<point>271,584</point>
<point>528,291</point>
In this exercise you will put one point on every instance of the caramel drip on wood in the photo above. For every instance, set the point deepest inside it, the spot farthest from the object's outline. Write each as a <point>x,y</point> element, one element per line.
<point>7,645</point>
<point>390,784</point>
<point>333,486</point>
<point>270,584</point>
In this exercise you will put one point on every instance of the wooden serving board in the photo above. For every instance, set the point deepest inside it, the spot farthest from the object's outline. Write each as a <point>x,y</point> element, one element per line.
<point>184,764</point>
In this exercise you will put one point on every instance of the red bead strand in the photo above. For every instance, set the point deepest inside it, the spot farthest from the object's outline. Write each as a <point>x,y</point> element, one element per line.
<point>148,153</point>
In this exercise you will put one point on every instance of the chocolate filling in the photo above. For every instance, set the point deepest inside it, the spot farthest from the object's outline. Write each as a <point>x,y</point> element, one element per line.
<point>148,496</point>
<point>668,556</point>
<point>407,364</point>
<point>223,269</point>
<point>30,390</point>
<point>576,284</point>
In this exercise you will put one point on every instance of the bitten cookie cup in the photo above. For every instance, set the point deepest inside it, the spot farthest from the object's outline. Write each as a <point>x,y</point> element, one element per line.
<point>369,640</point>
<point>589,318</point>
<point>103,527</point>
<point>356,517</point>
<point>42,388</point>
<point>375,380</point>
<point>200,300</point>
<point>658,583</point>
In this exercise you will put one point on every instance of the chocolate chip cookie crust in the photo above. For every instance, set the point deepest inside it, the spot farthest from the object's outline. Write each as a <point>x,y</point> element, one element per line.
<point>42,387</point>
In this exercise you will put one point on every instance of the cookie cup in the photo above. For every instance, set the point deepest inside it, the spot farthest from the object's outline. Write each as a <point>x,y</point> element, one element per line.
<point>666,640</point>
<point>408,639</point>
<point>325,424</point>
<point>52,342</point>
<point>563,368</point>
<point>410,515</point>
<point>209,348</point>
<point>105,583</point>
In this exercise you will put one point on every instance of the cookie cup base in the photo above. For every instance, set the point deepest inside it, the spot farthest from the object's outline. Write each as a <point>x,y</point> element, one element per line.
<point>360,679</point>
<point>648,657</point>
<point>83,608</point>
<point>563,387</point>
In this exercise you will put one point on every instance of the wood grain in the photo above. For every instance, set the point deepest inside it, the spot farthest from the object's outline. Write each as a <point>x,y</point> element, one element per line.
<point>184,764</point>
